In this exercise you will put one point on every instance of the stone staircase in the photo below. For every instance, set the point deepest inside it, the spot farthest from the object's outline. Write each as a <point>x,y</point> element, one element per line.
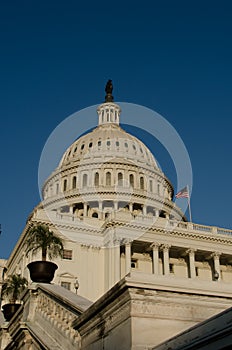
<point>44,321</point>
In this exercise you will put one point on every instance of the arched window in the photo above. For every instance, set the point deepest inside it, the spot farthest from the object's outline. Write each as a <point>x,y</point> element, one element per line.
<point>85,180</point>
<point>74,182</point>
<point>120,179</point>
<point>108,179</point>
<point>65,185</point>
<point>96,179</point>
<point>142,183</point>
<point>95,215</point>
<point>131,179</point>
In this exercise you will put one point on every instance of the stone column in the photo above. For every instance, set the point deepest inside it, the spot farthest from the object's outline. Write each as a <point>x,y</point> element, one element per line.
<point>216,266</point>
<point>131,207</point>
<point>155,258</point>
<point>117,261</point>
<point>165,249</point>
<point>71,209</point>
<point>85,209</point>
<point>110,266</point>
<point>156,212</point>
<point>115,205</point>
<point>100,210</point>
<point>192,268</point>
<point>144,209</point>
<point>128,256</point>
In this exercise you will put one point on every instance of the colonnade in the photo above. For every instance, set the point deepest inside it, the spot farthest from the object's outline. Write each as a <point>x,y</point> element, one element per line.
<point>101,209</point>
<point>162,252</point>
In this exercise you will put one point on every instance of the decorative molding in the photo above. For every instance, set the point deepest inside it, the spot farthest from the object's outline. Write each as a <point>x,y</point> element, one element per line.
<point>165,247</point>
<point>155,245</point>
<point>190,251</point>
<point>215,255</point>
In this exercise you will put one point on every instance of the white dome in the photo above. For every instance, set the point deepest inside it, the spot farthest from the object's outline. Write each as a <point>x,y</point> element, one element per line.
<point>109,168</point>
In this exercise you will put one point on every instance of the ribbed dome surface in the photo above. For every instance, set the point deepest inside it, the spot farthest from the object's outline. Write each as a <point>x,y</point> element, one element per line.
<point>109,141</point>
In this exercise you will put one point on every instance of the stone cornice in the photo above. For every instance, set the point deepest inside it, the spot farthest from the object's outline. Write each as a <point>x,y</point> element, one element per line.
<point>174,232</point>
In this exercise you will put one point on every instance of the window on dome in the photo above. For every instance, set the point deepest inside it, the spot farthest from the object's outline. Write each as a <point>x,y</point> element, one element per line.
<point>85,180</point>
<point>75,149</point>
<point>158,189</point>
<point>117,143</point>
<point>142,183</point>
<point>65,185</point>
<point>108,143</point>
<point>90,144</point>
<point>120,179</point>
<point>131,179</point>
<point>99,143</point>
<point>141,150</point>
<point>57,188</point>
<point>96,179</point>
<point>108,179</point>
<point>134,147</point>
<point>126,144</point>
<point>74,182</point>
<point>82,146</point>
<point>150,185</point>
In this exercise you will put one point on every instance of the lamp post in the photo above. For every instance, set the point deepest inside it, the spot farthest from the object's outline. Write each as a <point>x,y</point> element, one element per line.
<point>76,285</point>
<point>216,275</point>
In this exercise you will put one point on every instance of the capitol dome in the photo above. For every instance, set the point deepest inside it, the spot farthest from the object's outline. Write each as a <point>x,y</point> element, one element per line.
<point>108,170</point>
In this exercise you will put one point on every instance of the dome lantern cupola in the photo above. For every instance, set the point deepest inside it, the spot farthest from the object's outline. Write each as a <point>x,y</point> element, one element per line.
<point>108,112</point>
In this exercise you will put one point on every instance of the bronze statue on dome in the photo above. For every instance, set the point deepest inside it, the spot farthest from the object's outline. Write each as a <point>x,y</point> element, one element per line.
<point>108,89</point>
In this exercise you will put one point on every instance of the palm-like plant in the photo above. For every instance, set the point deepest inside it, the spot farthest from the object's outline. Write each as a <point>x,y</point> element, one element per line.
<point>42,238</point>
<point>13,286</point>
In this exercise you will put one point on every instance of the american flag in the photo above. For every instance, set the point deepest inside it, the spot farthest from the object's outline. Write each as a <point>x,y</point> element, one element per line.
<point>184,193</point>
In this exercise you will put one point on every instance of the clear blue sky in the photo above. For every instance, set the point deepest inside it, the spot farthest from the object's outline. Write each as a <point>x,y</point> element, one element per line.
<point>173,57</point>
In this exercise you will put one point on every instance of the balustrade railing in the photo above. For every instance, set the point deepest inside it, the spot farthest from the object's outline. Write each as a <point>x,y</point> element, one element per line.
<point>59,316</point>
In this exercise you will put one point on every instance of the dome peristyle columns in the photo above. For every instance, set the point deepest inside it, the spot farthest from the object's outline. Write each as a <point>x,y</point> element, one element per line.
<point>108,112</point>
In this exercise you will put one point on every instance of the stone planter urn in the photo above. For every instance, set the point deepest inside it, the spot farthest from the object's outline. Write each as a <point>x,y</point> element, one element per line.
<point>42,271</point>
<point>9,310</point>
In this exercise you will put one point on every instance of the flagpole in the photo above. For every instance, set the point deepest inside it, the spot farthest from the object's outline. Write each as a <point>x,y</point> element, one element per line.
<point>190,212</point>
